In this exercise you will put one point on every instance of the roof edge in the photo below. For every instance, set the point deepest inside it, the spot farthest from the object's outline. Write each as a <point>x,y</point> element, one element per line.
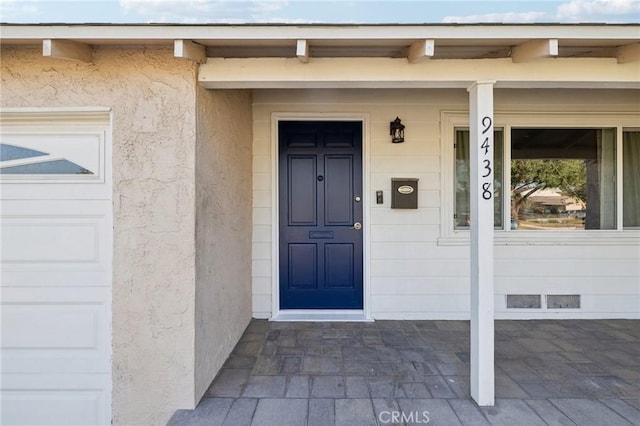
<point>328,24</point>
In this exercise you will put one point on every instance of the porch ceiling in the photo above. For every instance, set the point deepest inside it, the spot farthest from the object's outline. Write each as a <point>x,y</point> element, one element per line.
<point>451,41</point>
<point>369,56</point>
<point>444,49</point>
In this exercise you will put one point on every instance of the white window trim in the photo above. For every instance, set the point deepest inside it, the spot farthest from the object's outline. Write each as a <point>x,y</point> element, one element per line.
<point>85,121</point>
<point>450,120</point>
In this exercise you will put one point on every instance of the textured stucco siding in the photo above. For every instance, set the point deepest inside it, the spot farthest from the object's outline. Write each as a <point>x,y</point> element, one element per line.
<point>223,227</point>
<point>411,273</point>
<point>152,96</point>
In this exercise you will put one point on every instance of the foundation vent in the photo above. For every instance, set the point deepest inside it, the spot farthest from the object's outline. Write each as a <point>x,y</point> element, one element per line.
<point>523,301</point>
<point>563,301</point>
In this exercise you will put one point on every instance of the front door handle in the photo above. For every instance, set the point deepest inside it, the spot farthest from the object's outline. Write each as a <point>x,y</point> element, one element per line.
<point>357,226</point>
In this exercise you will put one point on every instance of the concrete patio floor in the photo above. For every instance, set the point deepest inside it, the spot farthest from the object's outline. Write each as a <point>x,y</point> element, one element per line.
<point>568,372</point>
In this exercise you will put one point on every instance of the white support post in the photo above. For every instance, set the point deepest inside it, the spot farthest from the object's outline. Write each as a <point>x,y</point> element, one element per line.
<point>482,193</point>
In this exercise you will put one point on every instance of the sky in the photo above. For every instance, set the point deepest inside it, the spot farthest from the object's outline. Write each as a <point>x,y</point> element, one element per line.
<point>319,11</point>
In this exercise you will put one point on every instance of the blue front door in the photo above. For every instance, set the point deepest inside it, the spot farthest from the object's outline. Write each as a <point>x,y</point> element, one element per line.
<point>320,210</point>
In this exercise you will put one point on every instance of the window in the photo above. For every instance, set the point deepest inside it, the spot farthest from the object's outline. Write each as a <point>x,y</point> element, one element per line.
<point>463,175</point>
<point>559,178</point>
<point>35,163</point>
<point>563,179</point>
<point>631,179</point>
<point>11,152</point>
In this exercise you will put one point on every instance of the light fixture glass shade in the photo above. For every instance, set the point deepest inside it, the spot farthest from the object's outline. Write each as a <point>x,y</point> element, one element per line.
<point>396,130</point>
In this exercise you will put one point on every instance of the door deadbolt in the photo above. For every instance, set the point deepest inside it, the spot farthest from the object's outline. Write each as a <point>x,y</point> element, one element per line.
<point>357,226</point>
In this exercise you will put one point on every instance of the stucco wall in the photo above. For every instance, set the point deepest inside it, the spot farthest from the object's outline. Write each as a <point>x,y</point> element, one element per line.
<point>223,227</point>
<point>412,273</point>
<point>152,95</point>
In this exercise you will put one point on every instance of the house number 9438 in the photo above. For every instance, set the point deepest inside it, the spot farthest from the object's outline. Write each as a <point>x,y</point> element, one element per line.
<point>487,125</point>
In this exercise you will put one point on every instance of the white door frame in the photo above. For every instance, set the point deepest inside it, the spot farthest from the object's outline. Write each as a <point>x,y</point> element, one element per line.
<point>319,314</point>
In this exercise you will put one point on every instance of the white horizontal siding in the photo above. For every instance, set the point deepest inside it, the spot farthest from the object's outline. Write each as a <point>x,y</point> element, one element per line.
<point>262,285</point>
<point>261,164</point>
<point>261,303</point>
<point>426,182</point>
<point>410,276</point>
<point>591,307</point>
<point>261,251</point>
<point>567,268</point>
<point>425,199</point>
<point>261,198</point>
<point>434,285</point>
<point>262,182</point>
<point>423,216</point>
<point>572,253</point>
<point>262,216</point>
<point>262,234</point>
<point>446,303</point>
<point>575,284</point>
<point>415,250</point>
<point>409,164</point>
<point>261,268</point>
<point>419,268</point>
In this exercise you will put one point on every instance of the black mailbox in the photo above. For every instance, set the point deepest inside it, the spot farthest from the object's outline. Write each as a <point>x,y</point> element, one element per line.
<point>404,193</point>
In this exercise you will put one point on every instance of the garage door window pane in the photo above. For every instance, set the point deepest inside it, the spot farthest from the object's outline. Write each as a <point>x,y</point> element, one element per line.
<point>11,152</point>
<point>57,167</point>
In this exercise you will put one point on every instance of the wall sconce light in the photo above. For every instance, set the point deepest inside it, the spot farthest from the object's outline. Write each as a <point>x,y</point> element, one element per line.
<point>396,130</point>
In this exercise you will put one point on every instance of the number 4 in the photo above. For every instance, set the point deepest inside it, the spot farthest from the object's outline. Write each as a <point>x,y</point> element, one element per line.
<point>485,145</point>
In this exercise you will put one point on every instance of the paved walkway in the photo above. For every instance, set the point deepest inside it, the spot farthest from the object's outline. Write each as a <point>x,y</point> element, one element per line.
<point>570,372</point>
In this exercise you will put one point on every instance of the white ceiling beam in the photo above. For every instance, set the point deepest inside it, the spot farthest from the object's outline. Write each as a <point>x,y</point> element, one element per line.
<point>421,50</point>
<point>628,53</point>
<point>275,73</point>
<point>534,49</point>
<point>67,49</point>
<point>302,51</point>
<point>187,49</point>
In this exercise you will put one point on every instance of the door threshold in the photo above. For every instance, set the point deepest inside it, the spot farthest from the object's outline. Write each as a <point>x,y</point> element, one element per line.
<point>316,315</point>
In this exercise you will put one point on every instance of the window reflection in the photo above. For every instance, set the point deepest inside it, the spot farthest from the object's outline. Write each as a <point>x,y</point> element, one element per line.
<point>11,152</point>
<point>563,179</point>
<point>56,167</point>
<point>34,165</point>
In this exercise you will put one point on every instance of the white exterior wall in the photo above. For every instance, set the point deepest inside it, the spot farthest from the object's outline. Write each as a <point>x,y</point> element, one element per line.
<point>152,97</point>
<point>181,215</point>
<point>414,272</point>
<point>223,228</point>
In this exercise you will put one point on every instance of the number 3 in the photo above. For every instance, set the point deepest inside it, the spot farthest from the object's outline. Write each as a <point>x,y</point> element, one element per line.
<point>487,166</point>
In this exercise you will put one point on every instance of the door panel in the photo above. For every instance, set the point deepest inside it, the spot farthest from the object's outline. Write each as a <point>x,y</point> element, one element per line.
<point>339,195</point>
<point>339,265</point>
<point>321,263</point>
<point>303,259</point>
<point>302,189</point>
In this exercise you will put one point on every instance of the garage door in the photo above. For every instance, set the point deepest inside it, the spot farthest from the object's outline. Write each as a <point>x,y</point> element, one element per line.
<point>56,241</point>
